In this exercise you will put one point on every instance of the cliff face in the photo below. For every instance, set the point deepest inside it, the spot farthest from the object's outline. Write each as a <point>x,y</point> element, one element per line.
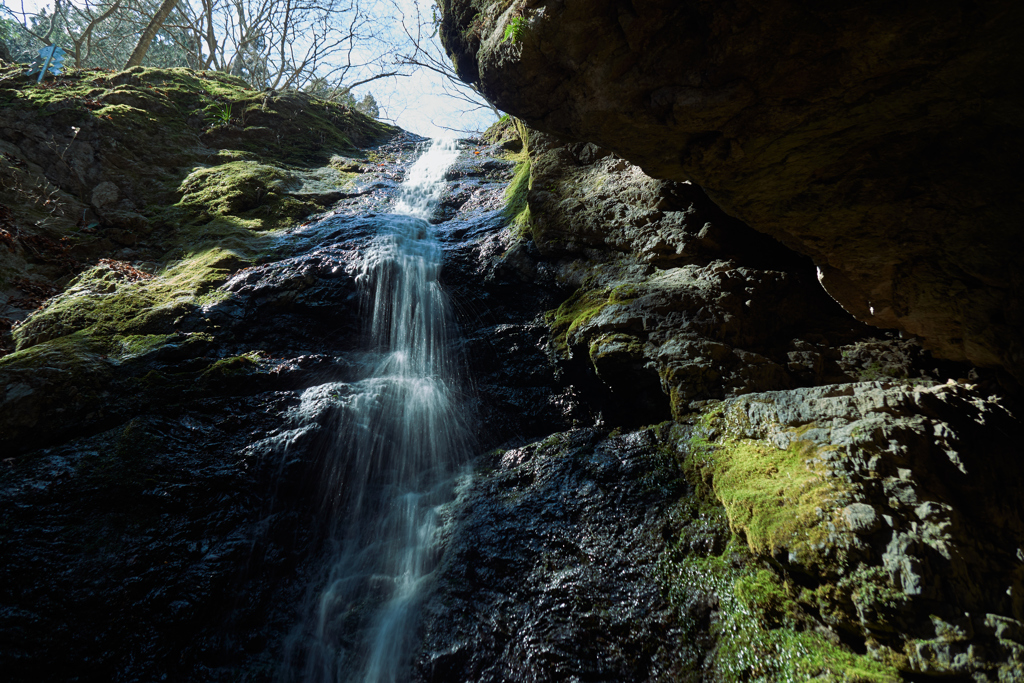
<point>663,489</point>
<point>881,140</point>
<point>787,531</point>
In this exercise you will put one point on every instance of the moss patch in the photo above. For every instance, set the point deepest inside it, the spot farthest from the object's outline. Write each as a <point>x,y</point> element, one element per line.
<point>581,307</point>
<point>773,497</point>
<point>294,128</point>
<point>517,209</point>
<point>510,130</point>
<point>246,190</point>
<point>73,355</point>
<point>104,306</point>
<point>777,499</point>
<point>615,344</point>
<point>763,626</point>
<point>760,632</point>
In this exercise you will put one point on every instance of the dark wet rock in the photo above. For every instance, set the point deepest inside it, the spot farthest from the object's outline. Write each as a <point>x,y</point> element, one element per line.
<point>519,387</point>
<point>126,553</point>
<point>549,567</point>
<point>161,485</point>
<point>655,556</point>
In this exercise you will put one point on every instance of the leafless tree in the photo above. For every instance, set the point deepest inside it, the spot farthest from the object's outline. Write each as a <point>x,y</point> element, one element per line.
<point>277,44</point>
<point>284,44</point>
<point>326,46</point>
<point>421,49</point>
<point>93,32</point>
<point>51,24</point>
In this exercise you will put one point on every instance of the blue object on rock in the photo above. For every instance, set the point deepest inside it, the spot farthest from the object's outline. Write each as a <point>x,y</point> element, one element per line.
<point>50,57</point>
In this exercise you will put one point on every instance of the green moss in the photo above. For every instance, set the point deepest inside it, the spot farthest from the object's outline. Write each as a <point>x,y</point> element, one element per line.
<point>777,499</point>
<point>517,209</point>
<point>246,190</point>
<point>75,354</point>
<point>683,383</point>
<point>773,497</point>
<point>133,346</point>
<point>231,367</point>
<point>581,307</point>
<point>761,632</point>
<point>765,627</point>
<point>765,592</point>
<point>107,307</point>
<point>173,111</point>
<point>869,589</point>
<point>62,373</point>
<point>621,294</point>
<point>502,130</point>
<point>614,343</point>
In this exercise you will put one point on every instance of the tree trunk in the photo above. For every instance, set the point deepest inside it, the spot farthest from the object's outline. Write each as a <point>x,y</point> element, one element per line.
<point>147,36</point>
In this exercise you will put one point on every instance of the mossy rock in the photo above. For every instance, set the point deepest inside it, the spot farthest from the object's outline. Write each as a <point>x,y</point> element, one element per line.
<point>765,627</point>
<point>188,152</point>
<point>517,208</point>
<point>581,307</point>
<point>104,305</point>
<point>778,499</point>
<point>245,189</point>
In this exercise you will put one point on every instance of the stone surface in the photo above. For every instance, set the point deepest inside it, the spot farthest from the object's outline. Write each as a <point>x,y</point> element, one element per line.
<point>164,420</point>
<point>550,567</point>
<point>170,445</point>
<point>677,302</point>
<point>553,550</point>
<point>912,515</point>
<point>880,140</point>
<point>78,185</point>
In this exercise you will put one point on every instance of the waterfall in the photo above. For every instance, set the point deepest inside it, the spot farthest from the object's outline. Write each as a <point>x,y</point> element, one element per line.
<point>400,442</point>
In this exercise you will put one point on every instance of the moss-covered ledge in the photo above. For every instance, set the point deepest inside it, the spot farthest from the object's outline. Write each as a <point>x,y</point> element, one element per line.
<point>148,165</point>
<point>841,534</point>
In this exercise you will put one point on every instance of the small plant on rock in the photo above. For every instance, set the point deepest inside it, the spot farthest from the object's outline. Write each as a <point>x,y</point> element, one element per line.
<point>514,30</point>
<point>221,111</point>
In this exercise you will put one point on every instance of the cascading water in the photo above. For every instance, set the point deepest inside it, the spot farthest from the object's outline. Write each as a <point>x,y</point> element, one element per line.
<point>400,441</point>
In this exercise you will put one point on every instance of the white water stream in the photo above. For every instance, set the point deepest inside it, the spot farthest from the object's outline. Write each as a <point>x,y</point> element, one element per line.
<point>400,441</point>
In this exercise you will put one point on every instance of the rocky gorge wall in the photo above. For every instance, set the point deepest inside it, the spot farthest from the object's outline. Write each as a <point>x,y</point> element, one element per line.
<point>879,140</point>
<point>691,464</point>
<point>817,505</point>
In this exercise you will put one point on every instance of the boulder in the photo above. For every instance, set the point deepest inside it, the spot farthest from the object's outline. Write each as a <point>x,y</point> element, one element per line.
<point>881,140</point>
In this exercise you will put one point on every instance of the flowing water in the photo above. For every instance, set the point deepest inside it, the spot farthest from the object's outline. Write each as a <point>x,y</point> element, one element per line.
<point>400,441</point>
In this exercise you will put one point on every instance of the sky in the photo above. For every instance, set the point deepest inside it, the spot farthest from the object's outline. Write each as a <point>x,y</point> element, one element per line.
<point>417,103</point>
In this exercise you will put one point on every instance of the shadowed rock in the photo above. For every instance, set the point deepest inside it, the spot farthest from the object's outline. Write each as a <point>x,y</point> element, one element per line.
<point>881,140</point>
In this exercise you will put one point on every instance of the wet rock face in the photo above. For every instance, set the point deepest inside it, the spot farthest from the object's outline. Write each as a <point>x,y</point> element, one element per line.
<point>170,446</point>
<point>150,527</point>
<point>823,530</point>
<point>550,564</point>
<point>879,141</point>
